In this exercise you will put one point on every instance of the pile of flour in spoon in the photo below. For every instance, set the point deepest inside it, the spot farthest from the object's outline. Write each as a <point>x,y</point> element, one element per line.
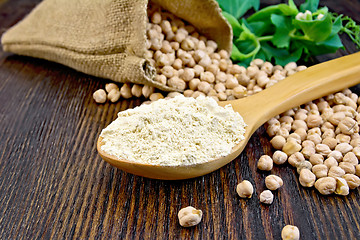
<point>177,131</point>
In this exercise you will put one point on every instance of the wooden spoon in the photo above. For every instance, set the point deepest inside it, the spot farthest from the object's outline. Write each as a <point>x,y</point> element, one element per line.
<point>315,82</point>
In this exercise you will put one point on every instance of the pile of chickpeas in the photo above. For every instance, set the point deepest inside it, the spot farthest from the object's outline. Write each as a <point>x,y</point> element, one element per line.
<point>193,65</point>
<point>321,140</point>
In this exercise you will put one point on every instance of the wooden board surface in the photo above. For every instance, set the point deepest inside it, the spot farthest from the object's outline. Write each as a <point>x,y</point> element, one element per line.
<point>53,184</point>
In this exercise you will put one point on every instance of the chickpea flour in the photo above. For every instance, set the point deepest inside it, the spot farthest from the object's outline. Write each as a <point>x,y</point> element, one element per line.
<point>177,131</point>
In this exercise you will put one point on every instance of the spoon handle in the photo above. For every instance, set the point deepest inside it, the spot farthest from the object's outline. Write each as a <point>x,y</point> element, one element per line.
<point>315,82</point>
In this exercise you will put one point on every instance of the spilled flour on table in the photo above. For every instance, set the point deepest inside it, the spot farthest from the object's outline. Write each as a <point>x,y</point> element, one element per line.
<point>172,132</point>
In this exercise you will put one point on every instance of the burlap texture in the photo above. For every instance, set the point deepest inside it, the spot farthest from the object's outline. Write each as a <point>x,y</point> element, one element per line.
<point>106,38</point>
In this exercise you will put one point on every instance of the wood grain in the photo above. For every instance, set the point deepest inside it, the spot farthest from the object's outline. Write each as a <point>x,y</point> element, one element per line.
<point>53,184</point>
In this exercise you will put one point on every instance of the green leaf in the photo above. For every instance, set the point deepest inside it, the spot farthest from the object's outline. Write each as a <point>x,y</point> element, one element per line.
<point>245,46</point>
<point>284,27</point>
<point>238,8</point>
<point>257,28</point>
<point>315,30</point>
<point>233,22</point>
<point>311,5</point>
<point>281,56</point>
<point>281,9</point>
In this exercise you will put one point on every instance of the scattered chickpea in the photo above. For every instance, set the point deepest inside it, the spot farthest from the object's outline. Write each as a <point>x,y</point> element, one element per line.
<point>245,189</point>
<point>307,178</point>
<point>265,163</point>
<point>111,86</point>
<point>342,188</point>
<point>99,96</point>
<point>266,197</point>
<point>352,180</point>
<point>114,95</point>
<point>189,216</point>
<point>303,165</point>
<point>290,232</point>
<point>336,171</point>
<point>273,182</point>
<point>320,170</point>
<point>316,159</point>
<point>326,185</point>
<point>125,91</point>
<point>296,158</point>
<point>279,157</point>
<point>291,147</point>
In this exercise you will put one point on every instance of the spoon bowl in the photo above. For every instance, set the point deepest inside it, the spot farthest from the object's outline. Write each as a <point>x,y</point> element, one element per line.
<point>315,82</point>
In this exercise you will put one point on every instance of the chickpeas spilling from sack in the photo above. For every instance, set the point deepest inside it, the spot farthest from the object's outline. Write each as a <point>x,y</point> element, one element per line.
<point>192,64</point>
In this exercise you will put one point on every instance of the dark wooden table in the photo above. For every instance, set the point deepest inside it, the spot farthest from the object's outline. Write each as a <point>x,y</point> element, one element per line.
<point>54,185</point>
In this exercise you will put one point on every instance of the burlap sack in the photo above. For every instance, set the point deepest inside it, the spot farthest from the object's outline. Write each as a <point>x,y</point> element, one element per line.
<point>106,38</point>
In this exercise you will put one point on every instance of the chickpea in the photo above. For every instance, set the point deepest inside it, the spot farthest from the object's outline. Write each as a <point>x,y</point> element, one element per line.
<point>316,138</point>
<point>308,151</point>
<point>99,96</point>
<point>322,149</point>
<point>291,147</point>
<point>177,83</point>
<point>352,180</point>
<point>251,71</point>
<point>326,185</point>
<point>343,138</point>
<point>231,82</point>
<point>245,189</point>
<point>194,83</point>
<point>111,86</point>
<point>204,87</point>
<point>299,124</point>
<point>266,197</point>
<point>351,158</point>
<point>205,61</point>
<point>156,96</point>
<point>125,91</point>
<point>273,182</point>
<point>330,162</point>
<point>290,232</point>
<point>316,159</point>
<point>147,90</point>
<point>342,188</point>
<point>330,142</point>
<point>187,44</point>
<point>336,171</point>
<point>265,163</point>
<point>307,178</point>
<point>188,93</point>
<point>189,216</point>
<point>344,148</point>
<point>283,131</point>
<point>222,96</point>
<point>347,167</point>
<point>348,126</point>
<point>336,118</point>
<point>239,91</point>
<point>197,94</point>
<point>314,120</point>
<point>320,170</point>
<point>356,151</point>
<point>114,95</point>
<point>308,143</point>
<point>296,158</point>
<point>224,54</point>
<point>303,165</point>
<point>207,77</point>
<point>279,157</point>
<point>302,133</point>
<point>336,155</point>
